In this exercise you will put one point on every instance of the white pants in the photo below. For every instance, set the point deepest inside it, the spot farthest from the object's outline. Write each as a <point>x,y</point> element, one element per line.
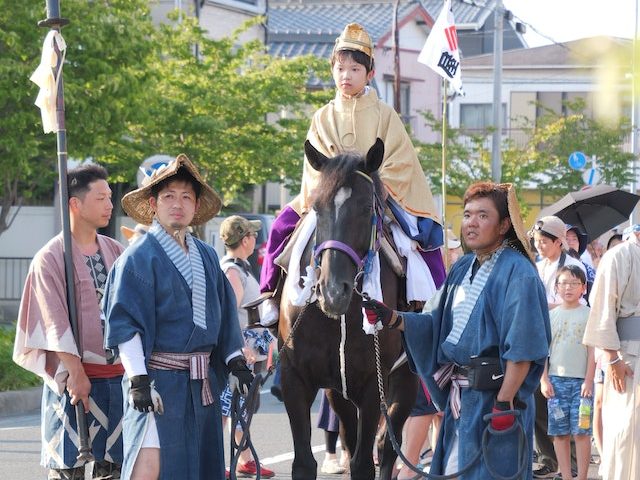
<point>621,421</point>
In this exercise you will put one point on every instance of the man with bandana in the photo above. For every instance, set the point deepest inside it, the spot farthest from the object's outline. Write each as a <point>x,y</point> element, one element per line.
<point>171,316</point>
<point>481,351</point>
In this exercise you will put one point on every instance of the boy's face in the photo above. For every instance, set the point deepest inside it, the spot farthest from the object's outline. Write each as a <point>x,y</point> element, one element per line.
<point>350,76</point>
<point>546,247</point>
<point>569,288</point>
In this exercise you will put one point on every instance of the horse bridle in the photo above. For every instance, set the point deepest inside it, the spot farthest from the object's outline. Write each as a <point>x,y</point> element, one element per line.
<point>364,264</point>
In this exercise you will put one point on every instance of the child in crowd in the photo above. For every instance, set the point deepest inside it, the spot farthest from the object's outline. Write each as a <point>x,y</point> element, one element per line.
<point>567,381</point>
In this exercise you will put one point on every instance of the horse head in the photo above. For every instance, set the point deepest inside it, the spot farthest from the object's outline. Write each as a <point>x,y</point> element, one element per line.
<point>347,219</point>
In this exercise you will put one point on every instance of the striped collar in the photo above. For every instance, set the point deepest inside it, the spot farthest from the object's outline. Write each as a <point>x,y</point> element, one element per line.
<point>189,265</point>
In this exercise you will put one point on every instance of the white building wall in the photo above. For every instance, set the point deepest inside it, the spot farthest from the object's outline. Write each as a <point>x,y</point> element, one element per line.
<point>31,229</point>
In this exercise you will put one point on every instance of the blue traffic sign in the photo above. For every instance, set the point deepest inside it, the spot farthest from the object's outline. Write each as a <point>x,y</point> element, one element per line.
<point>577,160</point>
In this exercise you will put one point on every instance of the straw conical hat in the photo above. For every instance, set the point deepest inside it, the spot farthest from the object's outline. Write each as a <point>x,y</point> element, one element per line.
<point>136,203</point>
<point>516,220</point>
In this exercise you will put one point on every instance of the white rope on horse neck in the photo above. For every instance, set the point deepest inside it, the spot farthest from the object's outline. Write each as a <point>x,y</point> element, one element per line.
<point>343,367</point>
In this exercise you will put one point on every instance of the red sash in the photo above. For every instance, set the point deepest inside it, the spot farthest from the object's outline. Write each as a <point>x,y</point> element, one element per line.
<point>94,370</point>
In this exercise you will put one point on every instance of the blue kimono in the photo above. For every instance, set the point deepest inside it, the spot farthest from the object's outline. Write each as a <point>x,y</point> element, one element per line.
<point>146,294</point>
<point>509,317</point>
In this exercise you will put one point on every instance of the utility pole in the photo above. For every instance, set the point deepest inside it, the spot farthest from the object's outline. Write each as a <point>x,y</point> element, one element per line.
<point>496,141</point>
<point>635,117</point>
<point>396,59</point>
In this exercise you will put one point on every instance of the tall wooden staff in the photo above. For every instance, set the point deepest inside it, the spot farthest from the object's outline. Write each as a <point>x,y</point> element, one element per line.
<point>55,22</point>
<point>444,175</point>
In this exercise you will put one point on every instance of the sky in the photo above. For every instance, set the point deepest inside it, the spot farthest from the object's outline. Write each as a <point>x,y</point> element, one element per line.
<point>563,20</point>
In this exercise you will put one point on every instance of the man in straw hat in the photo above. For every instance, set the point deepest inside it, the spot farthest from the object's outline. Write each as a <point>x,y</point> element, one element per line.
<point>171,315</point>
<point>352,122</point>
<point>481,351</point>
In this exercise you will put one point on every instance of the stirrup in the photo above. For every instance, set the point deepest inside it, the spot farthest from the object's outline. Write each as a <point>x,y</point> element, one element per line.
<point>254,303</point>
<point>269,312</point>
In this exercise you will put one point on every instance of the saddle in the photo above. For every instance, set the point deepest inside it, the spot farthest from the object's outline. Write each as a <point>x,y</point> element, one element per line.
<point>388,249</point>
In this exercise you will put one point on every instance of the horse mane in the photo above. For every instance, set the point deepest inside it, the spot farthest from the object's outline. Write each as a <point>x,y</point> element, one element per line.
<point>338,173</point>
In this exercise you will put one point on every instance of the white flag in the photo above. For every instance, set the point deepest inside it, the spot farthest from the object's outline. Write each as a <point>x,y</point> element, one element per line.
<point>440,51</point>
<point>48,82</point>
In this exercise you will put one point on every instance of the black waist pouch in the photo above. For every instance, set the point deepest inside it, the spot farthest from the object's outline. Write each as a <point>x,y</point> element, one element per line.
<point>485,373</point>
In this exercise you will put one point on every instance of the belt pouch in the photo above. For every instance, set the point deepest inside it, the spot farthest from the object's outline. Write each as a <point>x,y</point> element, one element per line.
<point>485,373</point>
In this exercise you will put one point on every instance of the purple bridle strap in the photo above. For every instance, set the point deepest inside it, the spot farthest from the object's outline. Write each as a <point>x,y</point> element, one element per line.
<point>343,247</point>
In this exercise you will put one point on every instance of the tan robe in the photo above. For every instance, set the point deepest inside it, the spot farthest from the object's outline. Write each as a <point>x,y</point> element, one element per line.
<point>616,294</point>
<point>352,125</point>
<point>43,319</point>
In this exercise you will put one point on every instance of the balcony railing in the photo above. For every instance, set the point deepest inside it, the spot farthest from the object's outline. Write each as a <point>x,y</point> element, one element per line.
<point>13,272</point>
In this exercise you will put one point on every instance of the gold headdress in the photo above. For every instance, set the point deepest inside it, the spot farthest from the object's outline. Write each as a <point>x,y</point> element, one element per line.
<point>354,37</point>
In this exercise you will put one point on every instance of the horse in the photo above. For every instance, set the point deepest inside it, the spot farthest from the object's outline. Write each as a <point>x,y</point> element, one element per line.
<point>347,202</point>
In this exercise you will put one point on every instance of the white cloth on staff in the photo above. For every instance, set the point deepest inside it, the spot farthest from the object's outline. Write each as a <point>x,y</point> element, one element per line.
<point>44,76</point>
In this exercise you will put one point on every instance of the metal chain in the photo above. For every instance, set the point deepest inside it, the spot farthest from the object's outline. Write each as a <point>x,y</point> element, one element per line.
<point>376,346</point>
<point>293,329</point>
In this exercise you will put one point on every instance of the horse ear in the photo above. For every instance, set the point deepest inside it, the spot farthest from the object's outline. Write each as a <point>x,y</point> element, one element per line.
<point>316,159</point>
<point>375,156</point>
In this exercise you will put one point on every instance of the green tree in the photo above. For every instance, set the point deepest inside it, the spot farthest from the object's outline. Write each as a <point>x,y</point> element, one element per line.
<point>542,161</point>
<point>108,45</point>
<point>557,137</point>
<point>223,108</point>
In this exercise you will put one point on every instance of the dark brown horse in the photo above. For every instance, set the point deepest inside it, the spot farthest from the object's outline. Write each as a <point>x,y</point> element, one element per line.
<point>345,204</point>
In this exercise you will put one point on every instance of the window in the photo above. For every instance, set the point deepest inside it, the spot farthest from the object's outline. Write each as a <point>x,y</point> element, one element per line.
<point>479,116</point>
<point>405,97</point>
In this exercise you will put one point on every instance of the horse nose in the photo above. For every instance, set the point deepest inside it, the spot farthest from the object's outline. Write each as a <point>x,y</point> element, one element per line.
<point>335,292</point>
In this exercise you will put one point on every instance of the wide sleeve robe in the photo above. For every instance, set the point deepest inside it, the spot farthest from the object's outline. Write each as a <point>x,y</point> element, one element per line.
<point>43,327</point>
<point>510,317</point>
<point>146,294</point>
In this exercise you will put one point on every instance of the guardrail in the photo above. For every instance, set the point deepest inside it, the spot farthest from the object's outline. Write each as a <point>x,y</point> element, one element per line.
<point>13,272</point>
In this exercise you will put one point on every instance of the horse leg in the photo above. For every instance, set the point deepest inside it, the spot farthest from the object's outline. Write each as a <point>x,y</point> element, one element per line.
<point>298,398</point>
<point>363,427</point>
<point>403,387</point>
<point>348,415</point>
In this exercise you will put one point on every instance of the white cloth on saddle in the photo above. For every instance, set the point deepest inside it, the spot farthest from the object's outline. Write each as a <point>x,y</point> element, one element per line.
<point>420,284</point>
<point>295,293</point>
<point>300,295</point>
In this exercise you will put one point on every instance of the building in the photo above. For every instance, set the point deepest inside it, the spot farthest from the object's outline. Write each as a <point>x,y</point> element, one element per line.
<point>545,77</point>
<point>596,70</point>
<point>299,27</point>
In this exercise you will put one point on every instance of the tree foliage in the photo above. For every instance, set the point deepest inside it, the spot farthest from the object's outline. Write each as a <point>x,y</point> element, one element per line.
<point>223,107</point>
<point>133,89</point>
<point>108,43</point>
<point>542,162</point>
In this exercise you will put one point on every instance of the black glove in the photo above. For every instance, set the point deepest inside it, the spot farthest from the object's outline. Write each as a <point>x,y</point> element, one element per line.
<point>143,397</point>
<point>240,377</point>
<point>378,312</point>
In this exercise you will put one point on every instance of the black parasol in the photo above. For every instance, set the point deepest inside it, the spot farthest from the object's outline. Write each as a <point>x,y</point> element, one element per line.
<point>595,210</point>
